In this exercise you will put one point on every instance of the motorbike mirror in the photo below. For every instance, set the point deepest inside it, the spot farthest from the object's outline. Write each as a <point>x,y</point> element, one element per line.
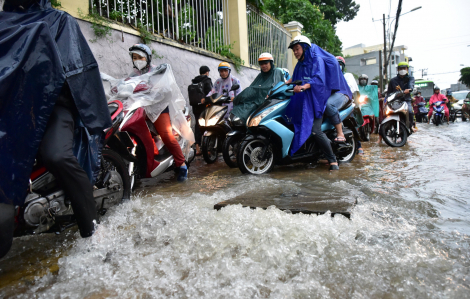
<point>235,87</point>
<point>297,82</point>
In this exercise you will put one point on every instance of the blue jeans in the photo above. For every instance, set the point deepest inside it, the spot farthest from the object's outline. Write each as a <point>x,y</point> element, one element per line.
<point>333,104</point>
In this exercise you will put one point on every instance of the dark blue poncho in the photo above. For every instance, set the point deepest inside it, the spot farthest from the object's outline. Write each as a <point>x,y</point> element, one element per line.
<point>321,70</point>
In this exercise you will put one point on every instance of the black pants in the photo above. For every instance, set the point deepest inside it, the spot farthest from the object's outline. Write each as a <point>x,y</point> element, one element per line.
<point>56,152</point>
<point>322,141</point>
<point>197,129</point>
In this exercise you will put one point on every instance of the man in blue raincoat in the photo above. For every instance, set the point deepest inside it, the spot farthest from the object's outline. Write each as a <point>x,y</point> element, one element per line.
<point>321,78</point>
<point>50,86</point>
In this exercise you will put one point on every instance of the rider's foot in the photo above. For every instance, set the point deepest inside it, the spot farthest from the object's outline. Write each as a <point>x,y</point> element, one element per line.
<point>360,151</point>
<point>182,173</point>
<point>340,139</point>
<point>334,166</point>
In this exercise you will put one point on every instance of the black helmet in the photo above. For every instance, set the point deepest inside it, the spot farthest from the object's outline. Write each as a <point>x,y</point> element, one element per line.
<point>363,79</point>
<point>140,49</point>
<point>436,87</point>
<point>448,92</point>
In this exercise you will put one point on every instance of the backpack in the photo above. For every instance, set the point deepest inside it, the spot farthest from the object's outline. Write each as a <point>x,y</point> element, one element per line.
<point>195,93</point>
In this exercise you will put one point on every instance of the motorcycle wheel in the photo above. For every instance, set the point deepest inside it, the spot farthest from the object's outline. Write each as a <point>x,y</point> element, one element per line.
<point>391,138</point>
<point>113,161</point>
<point>364,132</point>
<point>209,148</point>
<point>436,120</point>
<point>350,156</point>
<point>249,160</point>
<point>230,149</point>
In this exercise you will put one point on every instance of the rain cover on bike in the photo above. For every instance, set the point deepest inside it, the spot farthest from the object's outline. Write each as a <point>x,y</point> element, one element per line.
<point>40,49</point>
<point>322,71</point>
<point>153,91</point>
<point>255,94</point>
<point>371,107</point>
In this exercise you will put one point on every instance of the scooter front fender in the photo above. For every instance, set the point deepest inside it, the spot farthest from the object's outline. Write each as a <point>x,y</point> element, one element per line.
<point>396,118</point>
<point>235,133</point>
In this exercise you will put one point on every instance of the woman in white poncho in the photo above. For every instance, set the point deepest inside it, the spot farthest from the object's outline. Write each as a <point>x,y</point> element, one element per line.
<point>154,89</point>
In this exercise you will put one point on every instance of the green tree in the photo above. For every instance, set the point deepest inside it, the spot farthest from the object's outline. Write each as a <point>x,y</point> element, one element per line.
<point>337,10</point>
<point>465,76</point>
<point>316,27</point>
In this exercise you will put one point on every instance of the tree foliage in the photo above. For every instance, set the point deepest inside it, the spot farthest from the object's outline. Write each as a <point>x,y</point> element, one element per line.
<point>465,76</point>
<point>337,10</point>
<point>316,27</point>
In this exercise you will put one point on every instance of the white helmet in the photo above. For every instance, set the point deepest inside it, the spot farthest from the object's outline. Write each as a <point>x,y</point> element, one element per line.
<point>265,57</point>
<point>300,39</point>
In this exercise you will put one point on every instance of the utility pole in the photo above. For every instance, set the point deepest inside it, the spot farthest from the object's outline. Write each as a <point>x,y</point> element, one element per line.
<point>385,51</point>
<point>381,76</point>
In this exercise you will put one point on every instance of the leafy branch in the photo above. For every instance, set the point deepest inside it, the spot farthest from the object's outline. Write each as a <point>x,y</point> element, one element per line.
<point>225,50</point>
<point>99,25</point>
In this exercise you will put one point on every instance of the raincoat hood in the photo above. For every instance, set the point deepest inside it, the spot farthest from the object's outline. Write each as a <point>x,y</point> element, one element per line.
<point>254,95</point>
<point>41,48</point>
<point>321,70</point>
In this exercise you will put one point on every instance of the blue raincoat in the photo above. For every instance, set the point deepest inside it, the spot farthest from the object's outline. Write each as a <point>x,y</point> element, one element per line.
<point>321,70</point>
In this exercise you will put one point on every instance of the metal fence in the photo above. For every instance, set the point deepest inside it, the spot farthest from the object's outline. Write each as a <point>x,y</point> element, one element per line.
<point>266,35</point>
<point>200,23</point>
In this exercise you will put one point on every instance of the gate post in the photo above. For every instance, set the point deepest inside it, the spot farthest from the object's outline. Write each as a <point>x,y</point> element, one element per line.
<point>238,29</point>
<point>294,28</point>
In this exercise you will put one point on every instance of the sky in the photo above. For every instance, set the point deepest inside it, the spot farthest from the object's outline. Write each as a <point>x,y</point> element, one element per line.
<point>437,35</point>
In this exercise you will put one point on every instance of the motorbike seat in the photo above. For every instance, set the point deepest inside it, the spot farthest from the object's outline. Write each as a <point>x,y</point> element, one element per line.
<point>346,105</point>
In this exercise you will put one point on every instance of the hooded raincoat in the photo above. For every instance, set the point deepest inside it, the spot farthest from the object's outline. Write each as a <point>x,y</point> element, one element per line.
<point>254,95</point>
<point>321,70</point>
<point>40,49</point>
<point>371,107</point>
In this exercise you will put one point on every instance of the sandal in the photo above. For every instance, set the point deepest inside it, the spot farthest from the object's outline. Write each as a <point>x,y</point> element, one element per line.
<point>334,167</point>
<point>340,139</point>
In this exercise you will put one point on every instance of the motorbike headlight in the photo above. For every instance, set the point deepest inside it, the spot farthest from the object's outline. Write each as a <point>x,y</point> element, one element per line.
<point>388,110</point>
<point>254,122</point>
<point>202,122</point>
<point>362,99</point>
<point>215,118</point>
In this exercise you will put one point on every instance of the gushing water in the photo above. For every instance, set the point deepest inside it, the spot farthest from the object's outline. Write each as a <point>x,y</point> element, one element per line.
<point>408,236</point>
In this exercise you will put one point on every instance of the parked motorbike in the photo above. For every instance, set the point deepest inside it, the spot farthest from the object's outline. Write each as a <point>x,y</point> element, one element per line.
<point>438,113</point>
<point>47,209</point>
<point>455,111</point>
<point>232,140</point>
<point>149,156</point>
<point>422,115</point>
<point>395,127</point>
<point>270,135</point>
<point>214,126</point>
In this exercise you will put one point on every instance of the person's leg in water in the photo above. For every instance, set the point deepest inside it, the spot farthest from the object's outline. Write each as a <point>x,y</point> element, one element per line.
<point>56,152</point>
<point>324,143</point>
<point>334,103</point>
<point>360,150</point>
<point>163,127</point>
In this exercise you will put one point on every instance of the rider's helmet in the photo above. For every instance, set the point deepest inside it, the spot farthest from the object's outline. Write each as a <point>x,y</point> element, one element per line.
<point>142,50</point>
<point>436,88</point>
<point>300,39</point>
<point>403,63</point>
<point>363,79</point>
<point>448,92</point>
<point>224,65</point>
<point>265,57</point>
<point>374,82</point>
<point>341,62</point>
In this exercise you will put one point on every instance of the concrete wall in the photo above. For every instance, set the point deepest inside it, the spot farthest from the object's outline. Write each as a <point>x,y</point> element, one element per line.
<point>113,58</point>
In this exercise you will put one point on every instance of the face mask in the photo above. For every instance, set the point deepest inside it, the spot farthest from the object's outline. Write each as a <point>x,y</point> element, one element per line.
<point>363,82</point>
<point>140,64</point>
<point>402,72</point>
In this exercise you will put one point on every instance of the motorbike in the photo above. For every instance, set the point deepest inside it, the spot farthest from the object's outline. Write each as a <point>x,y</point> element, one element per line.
<point>438,113</point>
<point>466,109</point>
<point>214,126</point>
<point>395,127</point>
<point>149,156</point>
<point>422,115</point>
<point>232,140</point>
<point>46,208</point>
<point>367,123</point>
<point>270,135</point>
<point>455,111</point>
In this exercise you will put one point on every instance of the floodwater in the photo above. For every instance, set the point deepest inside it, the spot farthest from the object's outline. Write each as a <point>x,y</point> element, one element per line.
<point>408,236</point>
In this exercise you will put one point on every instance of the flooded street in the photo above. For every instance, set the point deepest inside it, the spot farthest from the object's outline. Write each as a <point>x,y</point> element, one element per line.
<point>408,236</point>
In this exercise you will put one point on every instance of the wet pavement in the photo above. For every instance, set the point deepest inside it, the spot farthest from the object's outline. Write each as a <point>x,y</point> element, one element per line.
<point>408,235</point>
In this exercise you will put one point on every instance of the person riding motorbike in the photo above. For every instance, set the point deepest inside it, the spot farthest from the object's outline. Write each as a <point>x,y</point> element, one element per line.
<point>225,82</point>
<point>416,100</point>
<point>50,90</point>
<point>403,81</point>
<point>354,89</point>
<point>141,56</point>
<point>254,95</point>
<point>438,97</point>
<point>452,101</point>
<point>307,105</point>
